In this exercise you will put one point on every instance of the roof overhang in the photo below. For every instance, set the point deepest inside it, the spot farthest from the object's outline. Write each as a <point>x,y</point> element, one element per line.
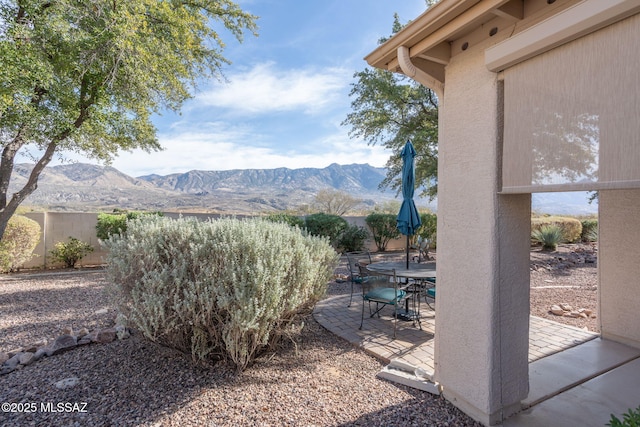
<point>424,47</point>
<point>430,38</point>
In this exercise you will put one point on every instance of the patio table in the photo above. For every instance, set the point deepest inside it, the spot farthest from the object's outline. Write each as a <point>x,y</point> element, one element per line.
<point>417,271</point>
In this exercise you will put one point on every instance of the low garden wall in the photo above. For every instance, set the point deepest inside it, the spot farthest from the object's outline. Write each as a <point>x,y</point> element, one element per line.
<point>59,226</point>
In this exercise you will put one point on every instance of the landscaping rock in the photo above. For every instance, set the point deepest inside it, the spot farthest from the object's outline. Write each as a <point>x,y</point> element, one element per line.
<point>3,358</point>
<point>4,369</point>
<point>122,332</point>
<point>62,344</point>
<point>106,335</point>
<point>82,332</point>
<point>26,358</point>
<point>555,309</point>
<point>15,351</point>
<point>39,354</point>
<point>13,361</point>
<point>84,340</point>
<point>67,383</point>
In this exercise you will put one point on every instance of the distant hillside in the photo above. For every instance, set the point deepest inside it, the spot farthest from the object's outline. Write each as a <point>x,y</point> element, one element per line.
<point>353,179</point>
<point>85,187</point>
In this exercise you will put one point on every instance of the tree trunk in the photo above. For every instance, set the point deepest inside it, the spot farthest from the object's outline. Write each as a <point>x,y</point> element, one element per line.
<point>7,211</point>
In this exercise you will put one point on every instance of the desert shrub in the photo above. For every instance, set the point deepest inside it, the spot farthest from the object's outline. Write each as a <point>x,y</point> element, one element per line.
<point>629,419</point>
<point>327,225</point>
<point>353,238</point>
<point>116,223</point>
<point>571,227</point>
<point>70,252</point>
<point>549,236</point>
<point>589,230</point>
<point>20,239</point>
<point>383,228</point>
<point>428,228</point>
<point>218,289</point>
<point>292,220</point>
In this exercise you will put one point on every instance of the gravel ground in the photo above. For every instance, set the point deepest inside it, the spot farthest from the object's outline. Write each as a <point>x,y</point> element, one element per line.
<point>318,380</point>
<point>561,278</point>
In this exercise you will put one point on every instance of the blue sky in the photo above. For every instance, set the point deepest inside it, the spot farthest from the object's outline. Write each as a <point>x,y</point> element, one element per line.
<point>286,95</point>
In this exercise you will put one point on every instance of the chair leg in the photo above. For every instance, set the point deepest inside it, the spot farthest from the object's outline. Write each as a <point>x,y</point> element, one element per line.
<point>351,297</point>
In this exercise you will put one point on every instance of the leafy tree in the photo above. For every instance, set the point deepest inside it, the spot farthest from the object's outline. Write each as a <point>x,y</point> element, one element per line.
<point>334,202</point>
<point>331,226</point>
<point>86,76</point>
<point>388,109</point>
<point>353,238</point>
<point>383,228</point>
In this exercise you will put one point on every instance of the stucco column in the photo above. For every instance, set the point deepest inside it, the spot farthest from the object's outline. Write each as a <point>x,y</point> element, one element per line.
<point>619,265</point>
<point>482,320</point>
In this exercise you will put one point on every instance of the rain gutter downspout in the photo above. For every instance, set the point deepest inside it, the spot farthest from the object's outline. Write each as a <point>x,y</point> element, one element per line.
<point>410,70</point>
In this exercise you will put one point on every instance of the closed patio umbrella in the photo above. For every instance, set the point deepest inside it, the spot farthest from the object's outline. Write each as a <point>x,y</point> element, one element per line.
<point>408,219</point>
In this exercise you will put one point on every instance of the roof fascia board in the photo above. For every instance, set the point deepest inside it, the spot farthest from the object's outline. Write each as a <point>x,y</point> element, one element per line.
<point>436,26</point>
<point>568,25</point>
<point>429,21</point>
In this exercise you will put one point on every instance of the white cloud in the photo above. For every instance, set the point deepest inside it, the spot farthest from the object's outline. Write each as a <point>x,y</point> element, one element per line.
<point>264,89</point>
<point>204,151</point>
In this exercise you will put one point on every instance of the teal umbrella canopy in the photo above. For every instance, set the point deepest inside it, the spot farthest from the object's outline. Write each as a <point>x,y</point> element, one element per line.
<point>408,220</point>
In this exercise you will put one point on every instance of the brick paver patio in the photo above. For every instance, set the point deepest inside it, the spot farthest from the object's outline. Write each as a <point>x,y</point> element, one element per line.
<point>414,345</point>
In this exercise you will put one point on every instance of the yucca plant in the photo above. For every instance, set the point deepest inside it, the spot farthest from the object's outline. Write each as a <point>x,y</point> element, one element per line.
<point>629,419</point>
<point>549,236</point>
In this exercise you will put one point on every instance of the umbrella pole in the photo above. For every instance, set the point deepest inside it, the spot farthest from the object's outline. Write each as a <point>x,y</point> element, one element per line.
<point>407,251</point>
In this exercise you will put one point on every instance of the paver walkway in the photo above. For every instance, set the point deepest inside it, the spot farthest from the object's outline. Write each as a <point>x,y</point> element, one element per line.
<point>415,346</point>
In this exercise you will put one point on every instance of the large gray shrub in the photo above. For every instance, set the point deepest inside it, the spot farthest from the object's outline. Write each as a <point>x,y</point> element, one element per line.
<point>221,289</point>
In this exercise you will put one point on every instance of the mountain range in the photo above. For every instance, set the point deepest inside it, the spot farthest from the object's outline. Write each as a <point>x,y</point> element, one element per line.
<point>87,187</point>
<point>82,187</point>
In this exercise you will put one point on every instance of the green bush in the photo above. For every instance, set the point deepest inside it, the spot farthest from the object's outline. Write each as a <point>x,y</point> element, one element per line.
<point>629,419</point>
<point>571,227</point>
<point>116,223</point>
<point>218,289</point>
<point>292,220</point>
<point>383,228</point>
<point>549,236</point>
<point>428,228</point>
<point>327,225</point>
<point>70,252</point>
<point>19,240</point>
<point>589,230</point>
<point>353,239</point>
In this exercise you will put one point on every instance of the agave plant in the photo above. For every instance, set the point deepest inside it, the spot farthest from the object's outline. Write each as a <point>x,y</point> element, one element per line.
<point>549,236</point>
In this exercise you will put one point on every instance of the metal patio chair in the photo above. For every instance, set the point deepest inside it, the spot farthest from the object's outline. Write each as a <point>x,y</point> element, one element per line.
<point>383,291</point>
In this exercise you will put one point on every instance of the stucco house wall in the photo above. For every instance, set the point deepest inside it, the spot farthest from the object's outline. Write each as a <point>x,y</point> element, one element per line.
<point>483,250</point>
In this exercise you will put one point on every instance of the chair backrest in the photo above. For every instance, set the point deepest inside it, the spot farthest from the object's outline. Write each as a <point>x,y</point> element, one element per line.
<point>375,279</point>
<point>356,260</point>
